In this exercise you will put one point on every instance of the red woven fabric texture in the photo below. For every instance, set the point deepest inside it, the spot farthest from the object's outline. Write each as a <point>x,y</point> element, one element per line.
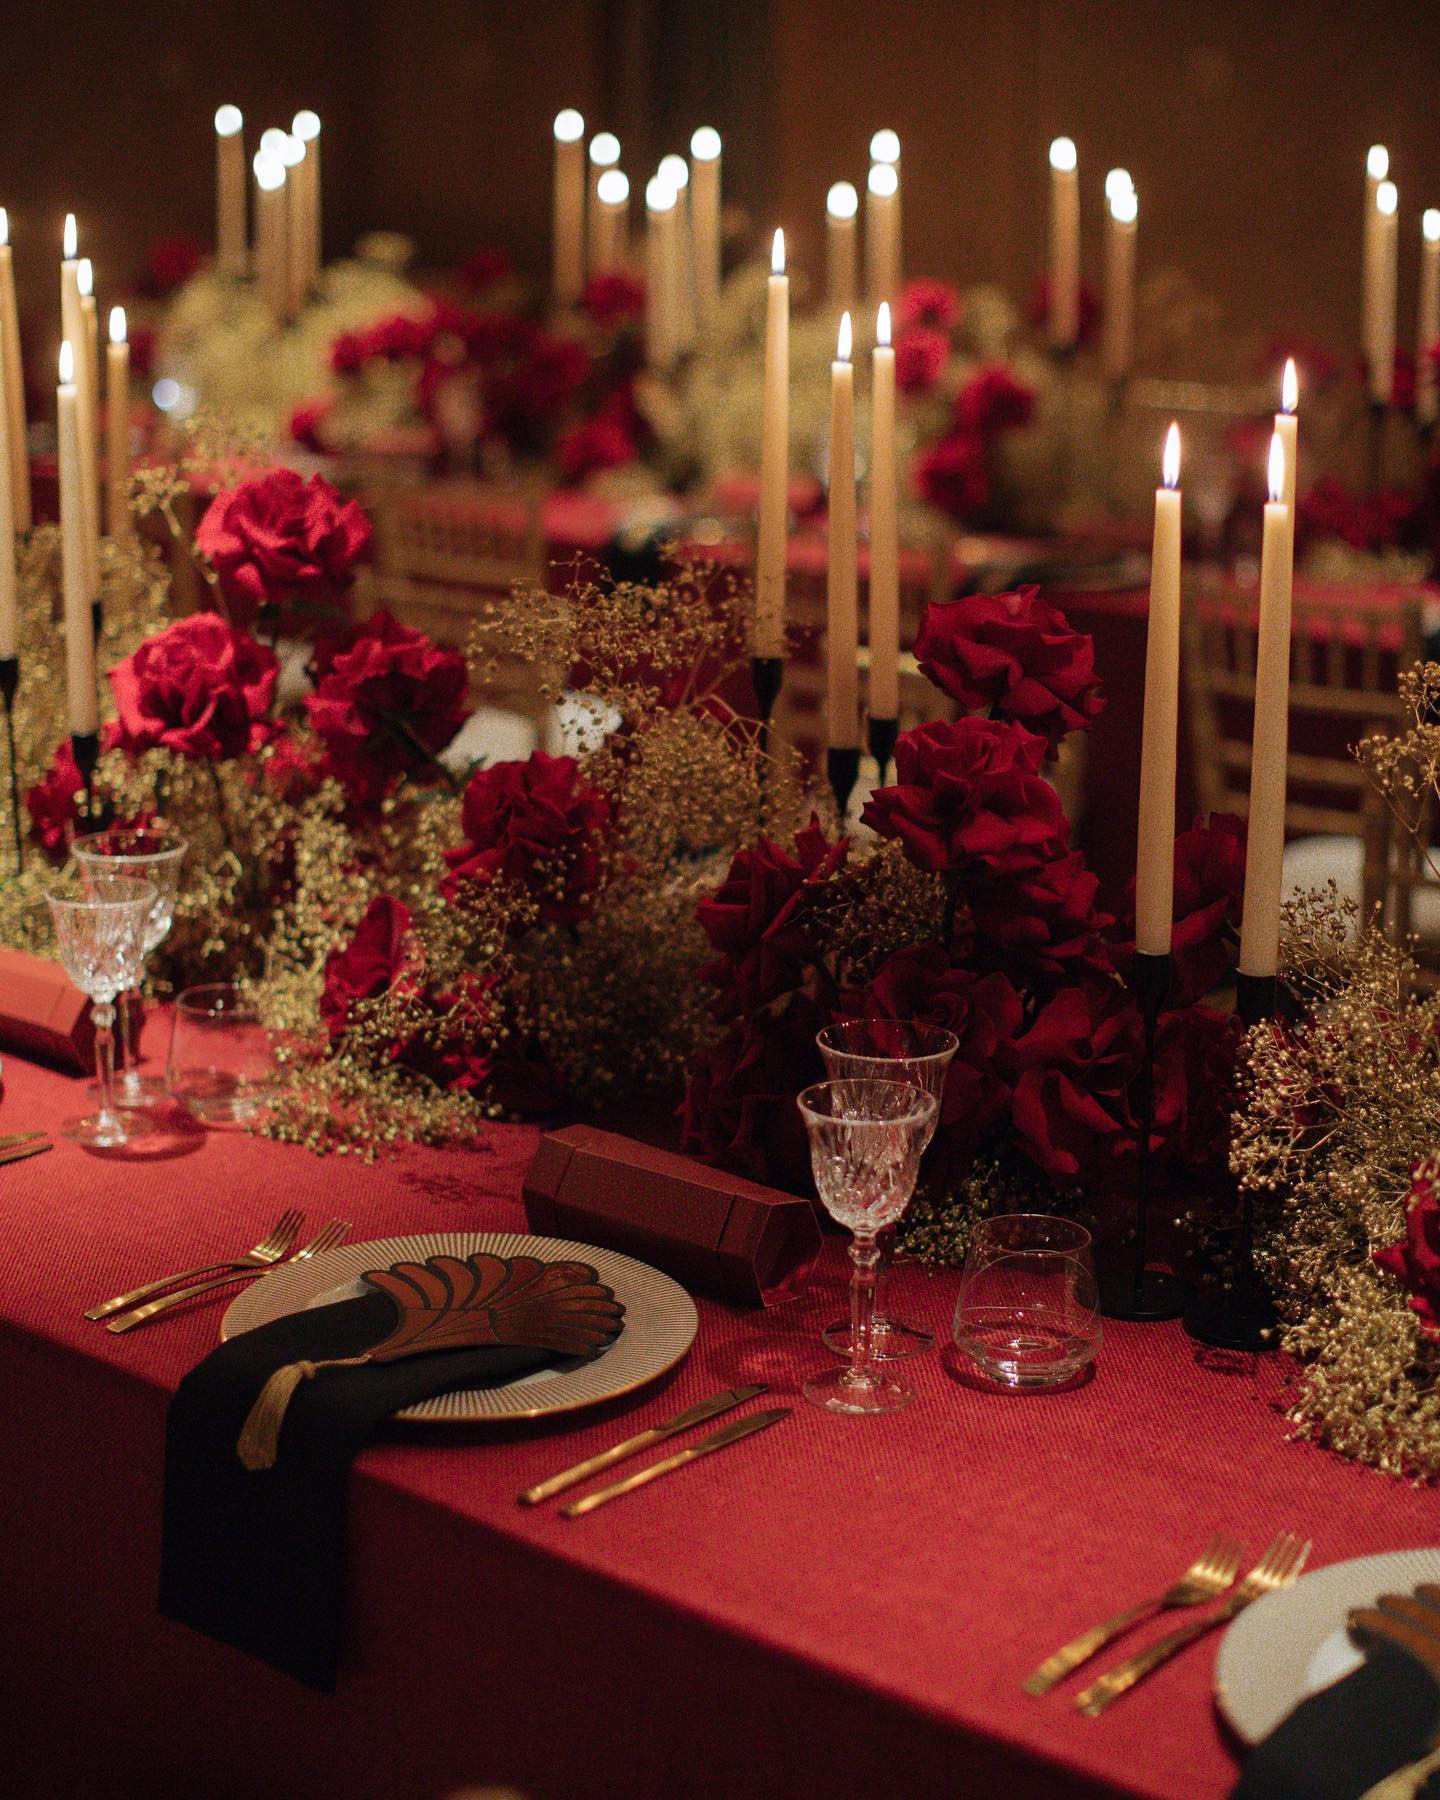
<point>837,1608</point>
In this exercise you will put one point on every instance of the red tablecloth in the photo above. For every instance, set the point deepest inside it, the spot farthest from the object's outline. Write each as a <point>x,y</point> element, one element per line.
<point>840,1608</point>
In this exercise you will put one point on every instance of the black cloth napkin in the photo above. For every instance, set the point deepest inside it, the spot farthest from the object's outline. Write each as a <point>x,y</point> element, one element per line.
<point>1347,1737</point>
<point>258,1559</point>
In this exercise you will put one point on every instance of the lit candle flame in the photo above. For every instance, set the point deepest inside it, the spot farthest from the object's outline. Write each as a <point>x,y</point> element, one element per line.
<point>1063,157</point>
<point>272,142</point>
<point>885,147</point>
<point>1377,162</point>
<point>882,180</point>
<point>1118,181</point>
<point>67,364</point>
<point>228,120</point>
<point>842,202</point>
<point>659,195</point>
<point>675,170</point>
<point>705,144</point>
<point>117,324</point>
<point>85,277</point>
<point>1125,207</point>
<point>604,149</point>
<point>71,238</point>
<point>844,342</point>
<point>1429,224</point>
<point>306,125</point>
<point>777,252</point>
<point>882,323</point>
<point>1387,198</point>
<point>292,151</point>
<point>269,172</point>
<point>613,188</point>
<point>1170,458</point>
<point>569,126</point>
<point>1289,387</point>
<point>1277,466</point>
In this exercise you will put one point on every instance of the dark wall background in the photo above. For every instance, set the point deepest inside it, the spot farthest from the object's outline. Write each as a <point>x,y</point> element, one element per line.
<point>1244,125</point>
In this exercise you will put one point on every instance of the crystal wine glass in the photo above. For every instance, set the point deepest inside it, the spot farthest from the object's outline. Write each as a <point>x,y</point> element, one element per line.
<point>866,1139</point>
<point>150,853</point>
<point>910,1050</point>
<point>100,928</point>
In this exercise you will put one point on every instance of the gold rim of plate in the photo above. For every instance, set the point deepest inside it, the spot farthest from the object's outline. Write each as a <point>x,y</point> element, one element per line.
<point>660,1320</point>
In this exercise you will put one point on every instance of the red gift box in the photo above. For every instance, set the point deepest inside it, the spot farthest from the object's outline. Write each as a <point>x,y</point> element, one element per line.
<point>716,1233</point>
<point>45,1016</point>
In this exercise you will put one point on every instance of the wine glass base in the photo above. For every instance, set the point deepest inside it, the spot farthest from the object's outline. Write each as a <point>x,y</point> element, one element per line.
<point>891,1339</point>
<point>134,1089</point>
<point>123,1127</point>
<point>834,1390</point>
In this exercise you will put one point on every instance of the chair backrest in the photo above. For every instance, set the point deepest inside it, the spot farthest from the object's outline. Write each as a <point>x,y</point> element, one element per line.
<point>1345,660</point>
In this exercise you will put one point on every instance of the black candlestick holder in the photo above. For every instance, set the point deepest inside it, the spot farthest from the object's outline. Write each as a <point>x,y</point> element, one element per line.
<point>842,765</point>
<point>9,682</point>
<point>883,734</point>
<point>85,746</point>
<point>1135,1291</point>
<point>1238,1313</point>
<point>766,675</point>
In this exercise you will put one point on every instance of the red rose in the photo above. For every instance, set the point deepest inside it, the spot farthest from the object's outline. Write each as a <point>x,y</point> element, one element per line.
<point>1072,1069</point>
<point>1195,1056</point>
<point>169,264</point>
<point>593,445</point>
<point>1415,1263</point>
<point>993,401</point>
<point>200,688</point>
<point>54,804</point>
<point>387,705</point>
<point>535,823</point>
<point>347,352</point>
<point>288,770</point>
<point>739,1109</point>
<point>369,964</point>
<point>1089,319</point>
<point>925,302</point>
<point>920,358</point>
<point>282,539</point>
<point>1209,898</point>
<point>1045,920</point>
<point>952,476</point>
<point>305,423</point>
<point>1014,654</point>
<point>486,268</point>
<point>526,399</point>
<point>756,918</point>
<point>970,792</point>
<point>613,299</point>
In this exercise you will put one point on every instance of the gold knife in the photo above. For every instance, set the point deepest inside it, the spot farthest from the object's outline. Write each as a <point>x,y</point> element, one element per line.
<point>18,1152</point>
<point>717,1440</point>
<point>657,1434</point>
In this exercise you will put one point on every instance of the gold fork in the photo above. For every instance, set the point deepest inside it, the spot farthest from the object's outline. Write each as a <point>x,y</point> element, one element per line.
<point>1212,1571</point>
<point>1277,1568</point>
<point>332,1234</point>
<point>269,1250</point>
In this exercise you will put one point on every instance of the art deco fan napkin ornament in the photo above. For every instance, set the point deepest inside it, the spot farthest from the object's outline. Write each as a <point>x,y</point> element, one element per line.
<point>445,1303</point>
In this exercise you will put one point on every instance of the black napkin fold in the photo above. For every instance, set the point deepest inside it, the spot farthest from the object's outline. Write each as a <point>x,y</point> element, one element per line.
<point>257,1559</point>
<point>1344,1739</point>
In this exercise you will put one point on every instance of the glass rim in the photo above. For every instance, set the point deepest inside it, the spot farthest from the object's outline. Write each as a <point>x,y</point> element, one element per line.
<point>145,894</point>
<point>86,846</point>
<point>187,1001</point>
<point>926,1105</point>
<point>875,1056</point>
<point>1084,1239</point>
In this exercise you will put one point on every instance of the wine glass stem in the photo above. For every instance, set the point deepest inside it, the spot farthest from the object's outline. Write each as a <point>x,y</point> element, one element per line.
<point>885,1246</point>
<point>122,1019</point>
<point>864,1260</point>
<point>105,1061</point>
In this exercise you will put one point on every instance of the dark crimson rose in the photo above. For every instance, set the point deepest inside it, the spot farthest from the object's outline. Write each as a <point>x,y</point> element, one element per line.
<point>170,263</point>
<point>920,358</point>
<point>930,303</point>
<point>347,353</point>
<point>1044,921</point>
<point>453,1048</point>
<point>969,792</point>
<point>992,401</point>
<point>538,824</point>
<point>486,268</point>
<point>288,770</point>
<point>387,705</point>
<point>985,1014</point>
<point>1415,1263</point>
<point>594,444</point>
<point>953,476</point>
<point>1209,896</point>
<point>200,688</point>
<point>527,397</point>
<point>306,421</point>
<point>739,1109</point>
<point>1368,522</point>
<point>142,349</point>
<point>1195,1054</point>
<point>54,804</point>
<point>1071,1070</point>
<point>757,918</point>
<point>282,539</point>
<point>1015,655</point>
<point>369,964</point>
<point>1089,322</point>
<point>613,299</point>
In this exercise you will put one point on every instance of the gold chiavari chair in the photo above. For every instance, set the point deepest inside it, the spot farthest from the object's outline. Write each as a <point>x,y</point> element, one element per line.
<point>1344,664</point>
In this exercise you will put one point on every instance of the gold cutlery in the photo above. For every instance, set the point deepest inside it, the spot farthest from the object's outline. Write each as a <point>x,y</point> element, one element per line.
<point>632,1446</point>
<point>334,1233</point>
<point>717,1440</point>
<point>1277,1568</point>
<point>269,1250</point>
<point>1206,1579</point>
<point>20,1137</point>
<point>18,1152</point>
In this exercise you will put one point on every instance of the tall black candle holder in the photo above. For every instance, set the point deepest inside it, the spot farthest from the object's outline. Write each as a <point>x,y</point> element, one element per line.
<point>842,766</point>
<point>1239,1314</point>
<point>9,682</point>
<point>882,735</point>
<point>766,675</point>
<point>86,748</point>
<point>1134,1291</point>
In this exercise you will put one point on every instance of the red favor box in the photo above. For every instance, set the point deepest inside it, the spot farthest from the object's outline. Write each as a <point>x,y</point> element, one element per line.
<point>716,1233</point>
<point>44,1015</point>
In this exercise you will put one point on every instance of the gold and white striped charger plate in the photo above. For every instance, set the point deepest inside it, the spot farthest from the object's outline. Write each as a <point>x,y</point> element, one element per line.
<point>660,1319</point>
